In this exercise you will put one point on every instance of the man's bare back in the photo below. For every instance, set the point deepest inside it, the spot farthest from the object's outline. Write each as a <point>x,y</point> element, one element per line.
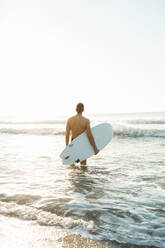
<point>78,124</point>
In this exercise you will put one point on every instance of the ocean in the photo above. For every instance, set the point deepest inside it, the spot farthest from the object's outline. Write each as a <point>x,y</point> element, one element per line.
<point>118,199</point>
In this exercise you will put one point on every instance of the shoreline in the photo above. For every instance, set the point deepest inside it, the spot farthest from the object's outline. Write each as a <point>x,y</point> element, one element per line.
<point>16,233</point>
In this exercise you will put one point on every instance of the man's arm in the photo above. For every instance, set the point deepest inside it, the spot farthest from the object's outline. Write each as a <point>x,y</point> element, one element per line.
<point>91,138</point>
<point>67,134</point>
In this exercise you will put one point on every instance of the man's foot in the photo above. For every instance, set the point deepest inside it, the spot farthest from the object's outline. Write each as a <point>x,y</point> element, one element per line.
<point>83,167</point>
<point>73,166</point>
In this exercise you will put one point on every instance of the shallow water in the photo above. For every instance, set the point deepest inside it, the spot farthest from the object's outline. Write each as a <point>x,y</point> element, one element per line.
<point>120,196</point>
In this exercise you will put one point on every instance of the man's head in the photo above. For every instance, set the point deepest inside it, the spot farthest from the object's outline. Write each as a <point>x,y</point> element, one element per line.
<point>80,107</point>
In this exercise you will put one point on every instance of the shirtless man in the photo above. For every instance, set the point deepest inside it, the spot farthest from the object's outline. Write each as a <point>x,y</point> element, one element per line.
<point>77,125</point>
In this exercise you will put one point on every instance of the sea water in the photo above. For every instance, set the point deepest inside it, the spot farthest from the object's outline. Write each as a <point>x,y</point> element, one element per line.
<point>119,197</point>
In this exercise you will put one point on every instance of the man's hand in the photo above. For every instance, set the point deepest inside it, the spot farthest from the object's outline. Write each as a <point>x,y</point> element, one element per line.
<point>91,138</point>
<point>96,151</point>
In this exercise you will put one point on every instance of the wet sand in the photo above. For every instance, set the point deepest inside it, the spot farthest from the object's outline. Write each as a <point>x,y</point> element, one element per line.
<point>15,233</point>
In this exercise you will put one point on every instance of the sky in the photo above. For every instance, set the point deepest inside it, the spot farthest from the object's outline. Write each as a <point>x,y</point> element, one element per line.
<point>108,54</point>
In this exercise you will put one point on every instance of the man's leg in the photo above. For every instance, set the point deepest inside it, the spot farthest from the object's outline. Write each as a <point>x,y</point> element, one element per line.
<point>84,162</point>
<point>72,166</point>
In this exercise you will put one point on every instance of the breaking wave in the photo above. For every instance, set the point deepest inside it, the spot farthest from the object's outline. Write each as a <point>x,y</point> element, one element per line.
<point>119,130</point>
<point>41,217</point>
<point>141,121</point>
<point>134,127</point>
<point>123,130</point>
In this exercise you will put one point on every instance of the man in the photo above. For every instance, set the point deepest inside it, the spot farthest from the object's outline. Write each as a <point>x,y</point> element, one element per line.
<point>77,125</point>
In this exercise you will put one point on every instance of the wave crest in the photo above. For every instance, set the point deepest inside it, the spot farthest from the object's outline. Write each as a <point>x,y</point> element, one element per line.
<point>31,131</point>
<point>131,128</point>
<point>144,121</point>
<point>119,130</point>
<point>123,130</point>
<point>42,217</point>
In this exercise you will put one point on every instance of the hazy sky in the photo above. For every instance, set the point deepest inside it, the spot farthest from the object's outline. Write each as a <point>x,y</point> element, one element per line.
<point>109,54</point>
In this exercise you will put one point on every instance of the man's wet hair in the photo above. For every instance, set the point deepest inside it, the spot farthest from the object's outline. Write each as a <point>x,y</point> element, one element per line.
<point>80,107</point>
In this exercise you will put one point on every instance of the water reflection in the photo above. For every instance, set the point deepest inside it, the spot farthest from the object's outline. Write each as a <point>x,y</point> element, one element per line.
<point>86,191</point>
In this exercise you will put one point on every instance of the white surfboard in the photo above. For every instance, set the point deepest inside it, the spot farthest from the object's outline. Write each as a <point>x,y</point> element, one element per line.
<point>80,148</point>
